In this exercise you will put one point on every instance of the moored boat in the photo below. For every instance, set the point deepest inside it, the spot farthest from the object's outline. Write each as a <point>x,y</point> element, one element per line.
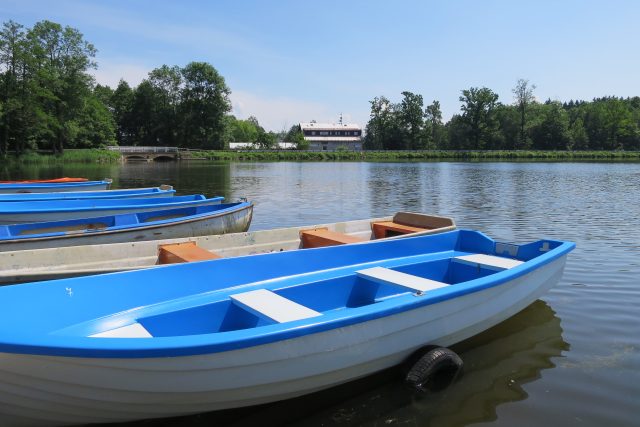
<point>150,225</point>
<point>235,332</point>
<point>126,193</point>
<point>58,210</point>
<point>46,181</point>
<point>47,264</point>
<point>54,187</point>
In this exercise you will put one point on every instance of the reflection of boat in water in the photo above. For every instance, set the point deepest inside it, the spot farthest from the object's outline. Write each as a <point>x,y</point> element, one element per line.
<point>497,363</point>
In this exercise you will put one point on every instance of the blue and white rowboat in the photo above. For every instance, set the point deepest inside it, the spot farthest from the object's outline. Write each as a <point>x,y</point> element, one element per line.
<point>60,210</point>
<point>130,193</point>
<point>34,187</point>
<point>131,227</point>
<point>234,332</point>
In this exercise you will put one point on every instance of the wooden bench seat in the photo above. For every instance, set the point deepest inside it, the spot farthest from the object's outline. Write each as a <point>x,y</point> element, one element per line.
<point>320,237</point>
<point>384,229</point>
<point>264,303</point>
<point>392,277</point>
<point>183,252</point>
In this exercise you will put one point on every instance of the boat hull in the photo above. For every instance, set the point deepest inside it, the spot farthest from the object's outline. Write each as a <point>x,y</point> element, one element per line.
<point>223,222</point>
<point>47,264</point>
<point>8,218</point>
<point>53,390</point>
<point>54,188</point>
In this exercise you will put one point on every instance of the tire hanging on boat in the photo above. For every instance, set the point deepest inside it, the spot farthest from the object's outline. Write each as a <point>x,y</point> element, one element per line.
<point>436,369</point>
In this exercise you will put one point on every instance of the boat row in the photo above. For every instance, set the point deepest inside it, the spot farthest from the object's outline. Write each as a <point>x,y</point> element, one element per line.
<point>68,218</point>
<point>159,328</point>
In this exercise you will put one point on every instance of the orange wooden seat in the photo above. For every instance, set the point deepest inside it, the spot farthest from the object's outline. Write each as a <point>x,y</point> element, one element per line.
<point>320,237</point>
<point>384,229</point>
<point>183,252</point>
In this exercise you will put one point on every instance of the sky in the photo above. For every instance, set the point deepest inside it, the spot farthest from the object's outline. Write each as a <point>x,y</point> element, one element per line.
<point>292,61</point>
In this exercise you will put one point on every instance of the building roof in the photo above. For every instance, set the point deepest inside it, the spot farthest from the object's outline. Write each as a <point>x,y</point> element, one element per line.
<point>333,138</point>
<point>330,126</point>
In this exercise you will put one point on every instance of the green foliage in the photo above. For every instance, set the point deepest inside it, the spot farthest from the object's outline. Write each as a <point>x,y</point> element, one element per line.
<point>296,136</point>
<point>69,156</point>
<point>47,94</point>
<point>485,124</point>
<point>478,113</point>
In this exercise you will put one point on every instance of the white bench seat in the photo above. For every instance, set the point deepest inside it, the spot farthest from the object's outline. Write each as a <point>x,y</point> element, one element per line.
<point>265,303</point>
<point>387,276</point>
<point>134,330</point>
<point>490,261</point>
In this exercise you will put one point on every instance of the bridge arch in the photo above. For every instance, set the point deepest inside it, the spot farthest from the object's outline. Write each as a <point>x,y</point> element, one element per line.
<point>141,153</point>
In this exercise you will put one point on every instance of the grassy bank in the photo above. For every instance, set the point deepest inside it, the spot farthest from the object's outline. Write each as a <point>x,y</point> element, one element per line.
<point>416,155</point>
<point>92,155</point>
<point>105,156</point>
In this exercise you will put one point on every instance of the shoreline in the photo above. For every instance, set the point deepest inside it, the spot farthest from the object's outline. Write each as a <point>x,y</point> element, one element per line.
<point>106,156</point>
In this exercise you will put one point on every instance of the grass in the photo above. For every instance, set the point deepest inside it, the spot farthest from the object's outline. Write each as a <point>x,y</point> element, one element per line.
<point>415,155</point>
<point>104,156</point>
<point>92,155</point>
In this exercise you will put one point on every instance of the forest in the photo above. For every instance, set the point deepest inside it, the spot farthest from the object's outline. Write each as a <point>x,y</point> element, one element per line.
<point>49,101</point>
<point>484,123</point>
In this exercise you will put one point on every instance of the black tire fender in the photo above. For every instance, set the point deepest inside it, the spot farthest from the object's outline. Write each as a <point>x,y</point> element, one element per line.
<point>435,370</point>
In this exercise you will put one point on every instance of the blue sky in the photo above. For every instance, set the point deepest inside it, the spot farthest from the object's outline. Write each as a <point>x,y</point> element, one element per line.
<point>291,61</point>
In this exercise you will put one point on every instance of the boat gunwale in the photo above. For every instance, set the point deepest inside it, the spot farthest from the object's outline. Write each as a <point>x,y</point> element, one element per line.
<point>216,342</point>
<point>158,201</point>
<point>55,184</point>
<point>88,195</point>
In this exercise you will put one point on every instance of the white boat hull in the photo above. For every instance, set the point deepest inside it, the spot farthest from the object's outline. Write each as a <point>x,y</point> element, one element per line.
<point>7,218</point>
<point>51,390</point>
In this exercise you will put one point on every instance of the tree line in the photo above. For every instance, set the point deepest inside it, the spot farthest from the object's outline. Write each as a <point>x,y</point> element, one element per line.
<point>49,100</point>
<point>484,123</point>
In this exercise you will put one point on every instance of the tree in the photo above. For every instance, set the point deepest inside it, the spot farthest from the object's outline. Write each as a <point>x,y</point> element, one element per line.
<point>266,140</point>
<point>296,136</point>
<point>205,101</point>
<point>61,59</point>
<point>434,126</point>
<point>121,104</point>
<point>411,121</point>
<point>378,128</point>
<point>552,132</point>
<point>13,57</point>
<point>523,93</point>
<point>478,110</point>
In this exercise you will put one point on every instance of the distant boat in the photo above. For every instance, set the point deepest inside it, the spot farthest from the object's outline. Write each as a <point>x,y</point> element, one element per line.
<point>130,227</point>
<point>57,210</point>
<point>234,332</point>
<point>55,263</point>
<point>54,187</point>
<point>130,193</point>
<point>46,181</point>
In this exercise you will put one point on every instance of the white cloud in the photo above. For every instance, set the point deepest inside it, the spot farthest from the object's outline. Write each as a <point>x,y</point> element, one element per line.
<point>110,72</point>
<point>279,112</point>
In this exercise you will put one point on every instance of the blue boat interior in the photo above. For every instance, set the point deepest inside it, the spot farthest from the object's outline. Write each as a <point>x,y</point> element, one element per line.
<point>224,313</point>
<point>112,222</point>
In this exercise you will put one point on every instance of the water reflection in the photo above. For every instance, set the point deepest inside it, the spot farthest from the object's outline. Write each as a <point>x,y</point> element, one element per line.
<point>498,362</point>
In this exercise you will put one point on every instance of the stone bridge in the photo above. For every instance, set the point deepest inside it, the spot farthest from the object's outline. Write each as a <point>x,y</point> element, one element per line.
<point>146,154</point>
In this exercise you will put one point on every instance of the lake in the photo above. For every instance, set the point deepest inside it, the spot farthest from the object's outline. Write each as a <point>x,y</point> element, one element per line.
<point>572,358</point>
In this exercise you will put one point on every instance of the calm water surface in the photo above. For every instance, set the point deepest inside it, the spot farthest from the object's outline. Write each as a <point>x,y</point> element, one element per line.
<point>572,358</point>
